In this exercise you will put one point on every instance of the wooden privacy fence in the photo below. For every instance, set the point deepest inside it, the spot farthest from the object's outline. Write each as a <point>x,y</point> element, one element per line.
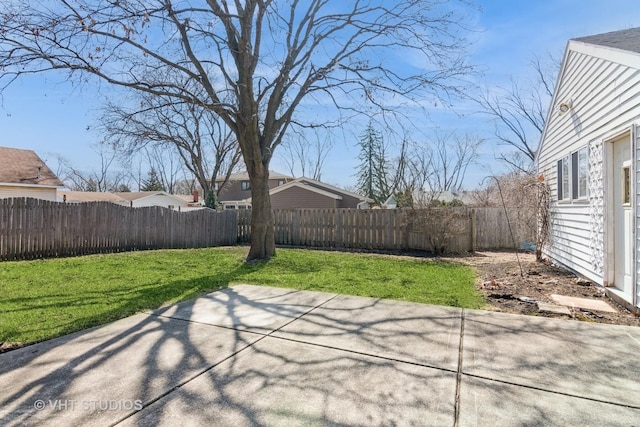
<point>493,227</point>
<point>459,229</point>
<point>31,228</point>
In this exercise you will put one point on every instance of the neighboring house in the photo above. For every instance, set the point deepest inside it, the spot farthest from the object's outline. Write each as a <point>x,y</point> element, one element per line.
<point>134,199</point>
<point>68,196</point>
<point>309,193</point>
<point>24,174</point>
<point>138,199</point>
<point>193,200</point>
<point>235,193</point>
<point>589,155</point>
<point>426,198</point>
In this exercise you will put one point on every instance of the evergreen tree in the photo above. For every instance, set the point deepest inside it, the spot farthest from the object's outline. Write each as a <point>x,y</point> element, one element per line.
<point>92,185</point>
<point>152,183</point>
<point>372,172</point>
<point>211,200</point>
<point>404,198</point>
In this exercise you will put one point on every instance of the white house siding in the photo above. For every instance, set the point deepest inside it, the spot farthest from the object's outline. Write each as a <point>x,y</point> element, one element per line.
<point>9,191</point>
<point>605,96</point>
<point>159,200</point>
<point>636,185</point>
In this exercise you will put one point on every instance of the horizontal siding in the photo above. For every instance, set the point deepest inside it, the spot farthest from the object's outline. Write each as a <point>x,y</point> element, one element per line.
<point>606,99</point>
<point>159,201</point>
<point>7,192</point>
<point>348,202</point>
<point>296,197</point>
<point>233,190</point>
<point>565,257</point>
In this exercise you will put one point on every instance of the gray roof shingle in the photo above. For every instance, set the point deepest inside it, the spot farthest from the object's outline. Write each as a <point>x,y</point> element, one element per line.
<point>624,39</point>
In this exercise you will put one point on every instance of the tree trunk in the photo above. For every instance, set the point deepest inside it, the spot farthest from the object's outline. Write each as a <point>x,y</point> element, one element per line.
<point>262,233</point>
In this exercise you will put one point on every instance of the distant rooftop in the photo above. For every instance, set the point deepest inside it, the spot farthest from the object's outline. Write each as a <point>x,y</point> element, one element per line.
<point>19,166</point>
<point>90,196</point>
<point>244,176</point>
<point>624,39</point>
<point>135,195</point>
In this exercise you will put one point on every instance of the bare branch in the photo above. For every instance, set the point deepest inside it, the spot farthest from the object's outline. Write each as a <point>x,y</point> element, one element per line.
<point>519,113</point>
<point>252,64</point>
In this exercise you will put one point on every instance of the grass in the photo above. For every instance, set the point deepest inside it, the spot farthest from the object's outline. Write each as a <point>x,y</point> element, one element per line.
<point>47,298</point>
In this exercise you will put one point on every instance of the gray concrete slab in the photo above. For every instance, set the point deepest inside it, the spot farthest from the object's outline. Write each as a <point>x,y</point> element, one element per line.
<point>586,303</point>
<point>283,383</point>
<point>581,359</point>
<point>417,333</point>
<point>336,360</point>
<point>246,307</point>
<point>554,309</point>
<point>98,376</point>
<point>490,403</point>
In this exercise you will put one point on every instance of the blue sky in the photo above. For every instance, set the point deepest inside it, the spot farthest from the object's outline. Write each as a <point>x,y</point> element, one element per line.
<point>46,114</point>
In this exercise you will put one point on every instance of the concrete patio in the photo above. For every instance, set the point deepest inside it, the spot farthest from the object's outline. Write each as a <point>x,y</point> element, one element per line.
<point>250,355</point>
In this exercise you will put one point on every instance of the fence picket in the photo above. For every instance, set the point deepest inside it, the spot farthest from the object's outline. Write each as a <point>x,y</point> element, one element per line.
<point>32,228</point>
<point>462,229</point>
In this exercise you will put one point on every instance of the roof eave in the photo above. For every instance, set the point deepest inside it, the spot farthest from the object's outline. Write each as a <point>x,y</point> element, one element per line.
<point>20,184</point>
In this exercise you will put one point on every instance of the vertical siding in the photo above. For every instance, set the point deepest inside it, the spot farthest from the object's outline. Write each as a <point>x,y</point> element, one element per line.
<point>606,99</point>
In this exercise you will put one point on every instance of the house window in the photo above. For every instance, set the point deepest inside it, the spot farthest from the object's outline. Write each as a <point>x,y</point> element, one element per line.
<point>245,185</point>
<point>216,186</point>
<point>563,179</point>
<point>280,182</point>
<point>626,185</point>
<point>579,173</point>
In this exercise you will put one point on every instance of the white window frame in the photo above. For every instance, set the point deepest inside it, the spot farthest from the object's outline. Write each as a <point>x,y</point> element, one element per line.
<point>564,178</point>
<point>245,185</point>
<point>580,174</point>
<point>626,184</point>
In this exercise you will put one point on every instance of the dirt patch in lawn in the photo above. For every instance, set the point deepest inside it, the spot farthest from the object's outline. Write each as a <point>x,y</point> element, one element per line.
<point>506,290</point>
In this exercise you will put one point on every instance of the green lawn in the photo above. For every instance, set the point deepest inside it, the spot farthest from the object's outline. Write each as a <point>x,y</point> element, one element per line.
<point>47,298</point>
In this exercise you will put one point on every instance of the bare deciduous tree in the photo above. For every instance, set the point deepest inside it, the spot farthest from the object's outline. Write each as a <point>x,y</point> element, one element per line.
<point>166,164</point>
<point>519,113</point>
<point>160,127</point>
<point>306,154</point>
<point>441,164</point>
<point>104,179</point>
<point>250,63</point>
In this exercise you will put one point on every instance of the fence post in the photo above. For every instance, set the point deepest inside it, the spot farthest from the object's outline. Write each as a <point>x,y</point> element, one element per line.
<point>404,228</point>
<point>473,230</point>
